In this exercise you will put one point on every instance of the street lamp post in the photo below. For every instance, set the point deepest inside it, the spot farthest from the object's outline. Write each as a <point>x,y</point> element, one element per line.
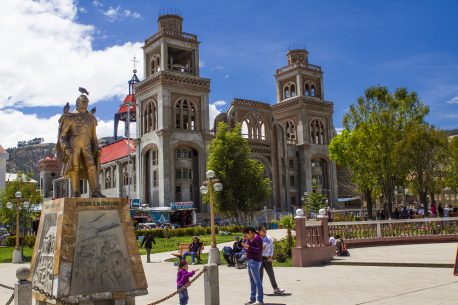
<point>212,185</point>
<point>17,253</point>
<point>304,200</point>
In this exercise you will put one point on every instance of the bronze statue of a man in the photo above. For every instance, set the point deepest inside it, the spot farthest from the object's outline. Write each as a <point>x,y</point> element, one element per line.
<point>77,147</point>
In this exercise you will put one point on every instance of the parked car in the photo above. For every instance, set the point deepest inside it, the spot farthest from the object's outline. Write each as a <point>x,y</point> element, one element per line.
<point>3,235</point>
<point>147,225</point>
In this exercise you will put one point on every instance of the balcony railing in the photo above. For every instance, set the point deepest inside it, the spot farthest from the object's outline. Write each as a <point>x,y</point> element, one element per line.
<point>296,65</point>
<point>171,34</point>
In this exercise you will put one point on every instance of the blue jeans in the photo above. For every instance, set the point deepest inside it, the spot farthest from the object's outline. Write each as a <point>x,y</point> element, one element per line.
<point>184,297</point>
<point>254,271</point>
<point>193,255</point>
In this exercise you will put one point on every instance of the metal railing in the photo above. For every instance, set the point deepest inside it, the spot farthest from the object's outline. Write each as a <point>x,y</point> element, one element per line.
<point>395,228</point>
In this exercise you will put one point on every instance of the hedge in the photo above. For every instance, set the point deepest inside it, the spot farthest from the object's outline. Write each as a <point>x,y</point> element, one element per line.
<point>29,241</point>
<point>191,231</point>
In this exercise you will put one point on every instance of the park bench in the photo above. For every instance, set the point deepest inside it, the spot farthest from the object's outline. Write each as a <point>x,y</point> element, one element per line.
<point>182,248</point>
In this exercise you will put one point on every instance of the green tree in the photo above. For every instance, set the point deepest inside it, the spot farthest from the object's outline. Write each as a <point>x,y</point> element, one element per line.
<point>349,150</point>
<point>380,120</point>
<point>288,223</point>
<point>452,168</point>
<point>424,153</point>
<point>29,193</point>
<point>314,201</point>
<point>245,185</point>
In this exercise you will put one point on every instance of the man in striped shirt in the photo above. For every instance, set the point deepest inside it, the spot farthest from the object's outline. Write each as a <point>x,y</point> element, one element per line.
<point>267,253</point>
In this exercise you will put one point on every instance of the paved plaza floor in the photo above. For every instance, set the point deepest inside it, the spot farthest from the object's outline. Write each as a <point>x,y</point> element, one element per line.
<point>330,284</point>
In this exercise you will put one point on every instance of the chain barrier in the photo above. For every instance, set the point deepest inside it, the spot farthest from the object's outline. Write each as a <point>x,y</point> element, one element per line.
<point>10,300</point>
<point>50,296</point>
<point>178,290</point>
<point>63,302</point>
<point>6,287</point>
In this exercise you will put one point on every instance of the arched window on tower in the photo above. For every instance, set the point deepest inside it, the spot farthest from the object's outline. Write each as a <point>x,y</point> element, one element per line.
<point>286,92</point>
<point>254,128</point>
<point>185,114</point>
<point>290,128</point>
<point>149,117</point>
<point>289,90</point>
<point>155,63</point>
<point>317,132</point>
<point>310,89</point>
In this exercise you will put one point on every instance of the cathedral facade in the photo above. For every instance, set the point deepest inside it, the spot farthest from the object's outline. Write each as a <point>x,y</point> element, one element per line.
<point>290,138</point>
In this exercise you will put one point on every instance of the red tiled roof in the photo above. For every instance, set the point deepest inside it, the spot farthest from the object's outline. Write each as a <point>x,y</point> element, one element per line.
<point>116,150</point>
<point>129,99</point>
<point>2,150</point>
<point>48,158</point>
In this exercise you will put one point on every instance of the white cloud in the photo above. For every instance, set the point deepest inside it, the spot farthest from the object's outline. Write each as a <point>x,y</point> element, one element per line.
<point>82,10</point>
<point>97,3</point>
<point>226,76</point>
<point>339,130</point>
<point>50,55</point>
<point>18,126</point>
<point>214,111</point>
<point>453,100</point>
<point>219,103</point>
<point>201,64</point>
<point>117,13</point>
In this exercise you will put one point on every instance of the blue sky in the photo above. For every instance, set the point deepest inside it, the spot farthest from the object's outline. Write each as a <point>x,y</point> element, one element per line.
<point>358,44</point>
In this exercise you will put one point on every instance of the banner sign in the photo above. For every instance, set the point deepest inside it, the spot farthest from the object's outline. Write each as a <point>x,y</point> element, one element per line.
<point>135,203</point>
<point>182,205</point>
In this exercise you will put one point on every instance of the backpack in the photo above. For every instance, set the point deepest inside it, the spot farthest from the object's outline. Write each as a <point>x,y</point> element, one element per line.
<point>227,250</point>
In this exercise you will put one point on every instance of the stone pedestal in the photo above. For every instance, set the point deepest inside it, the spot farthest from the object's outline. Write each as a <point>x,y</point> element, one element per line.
<point>213,256</point>
<point>17,256</point>
<point>211,284</point>
<point>86,252</point>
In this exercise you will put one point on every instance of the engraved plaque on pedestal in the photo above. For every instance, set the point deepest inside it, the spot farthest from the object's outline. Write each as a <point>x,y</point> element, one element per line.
<point>86,251</point>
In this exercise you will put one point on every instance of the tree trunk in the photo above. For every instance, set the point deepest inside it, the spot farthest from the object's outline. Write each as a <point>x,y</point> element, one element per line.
<point>424,202</point>
<point>431,196</point>
<point>369,203</point>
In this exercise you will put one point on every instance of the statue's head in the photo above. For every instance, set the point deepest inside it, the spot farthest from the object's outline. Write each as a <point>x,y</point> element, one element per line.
<point>81,103</point>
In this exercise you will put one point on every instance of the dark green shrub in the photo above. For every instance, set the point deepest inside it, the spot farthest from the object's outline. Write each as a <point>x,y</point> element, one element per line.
<point>29,241</point>
<point>10,241</point>
<point>191,231</point>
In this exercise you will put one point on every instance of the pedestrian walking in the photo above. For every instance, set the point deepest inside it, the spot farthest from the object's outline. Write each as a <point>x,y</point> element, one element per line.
<point>267,254</point>
<point>183,276</point>
<point>148,241</point>
<point>253,247</point>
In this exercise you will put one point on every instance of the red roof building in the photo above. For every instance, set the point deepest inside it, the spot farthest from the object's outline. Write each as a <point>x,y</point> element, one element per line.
<point>117,150</point>
<point>129,99</point>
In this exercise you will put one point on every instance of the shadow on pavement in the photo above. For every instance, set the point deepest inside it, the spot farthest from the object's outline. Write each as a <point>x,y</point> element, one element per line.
<point>278,294</point>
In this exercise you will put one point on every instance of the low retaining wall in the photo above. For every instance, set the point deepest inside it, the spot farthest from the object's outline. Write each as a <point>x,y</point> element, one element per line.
<point>312,256</point>
<point>372,242</point>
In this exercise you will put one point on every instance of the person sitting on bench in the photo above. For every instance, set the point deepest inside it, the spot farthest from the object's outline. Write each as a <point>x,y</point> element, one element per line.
<point>195,249</point>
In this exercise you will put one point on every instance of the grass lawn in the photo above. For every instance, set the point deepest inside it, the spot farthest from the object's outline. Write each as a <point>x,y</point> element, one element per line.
<point>171,244</point>
<point>162,245</point>
<point>204,257</point>
<point>6,254</point>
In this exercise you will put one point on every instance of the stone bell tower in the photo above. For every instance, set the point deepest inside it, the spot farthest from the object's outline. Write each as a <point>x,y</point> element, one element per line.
<point>173,120</point>
<point>307,120</point>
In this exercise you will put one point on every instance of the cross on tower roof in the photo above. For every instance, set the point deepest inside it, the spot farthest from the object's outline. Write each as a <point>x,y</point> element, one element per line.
<point>135,61</point>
